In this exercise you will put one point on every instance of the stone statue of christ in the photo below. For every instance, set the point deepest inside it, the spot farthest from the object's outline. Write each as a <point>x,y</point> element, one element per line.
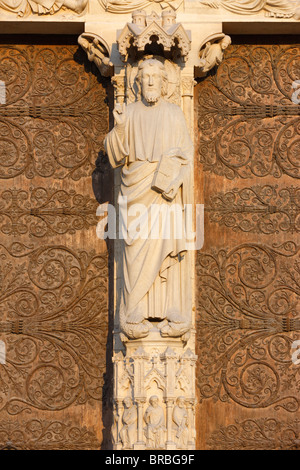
<point>154,268</point>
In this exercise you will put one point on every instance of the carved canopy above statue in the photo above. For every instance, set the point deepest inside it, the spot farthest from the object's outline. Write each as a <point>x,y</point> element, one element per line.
<point>146,30</point>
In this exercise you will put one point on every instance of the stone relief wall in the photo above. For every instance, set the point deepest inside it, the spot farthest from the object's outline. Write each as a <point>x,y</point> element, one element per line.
<point>128,6</point>
<point>42,7</point>
<point>272,8</point>
<point>257,434</point>
<point>277,9</point>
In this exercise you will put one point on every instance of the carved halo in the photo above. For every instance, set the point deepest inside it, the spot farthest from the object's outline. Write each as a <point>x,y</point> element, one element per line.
<point>172,70</point>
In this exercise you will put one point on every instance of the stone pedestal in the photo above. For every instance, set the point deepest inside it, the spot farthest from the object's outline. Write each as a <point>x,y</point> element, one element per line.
<point>159,377</point>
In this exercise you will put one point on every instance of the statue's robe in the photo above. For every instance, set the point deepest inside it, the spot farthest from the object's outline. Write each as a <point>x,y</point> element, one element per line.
<point>154,270</point>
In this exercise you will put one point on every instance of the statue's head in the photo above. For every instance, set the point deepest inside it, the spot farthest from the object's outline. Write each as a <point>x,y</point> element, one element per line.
<point>152,80</point>
<point>180,402</point>
<point>127,402</point>
<point>226,41</point>
<point>153,401</point>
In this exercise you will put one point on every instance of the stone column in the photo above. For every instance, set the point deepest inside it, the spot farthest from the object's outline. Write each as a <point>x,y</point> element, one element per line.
<point>139,358</point>
<point>187,92</point>
<point>118,82</point>
<point>188,363</point>
<point>170,359</point>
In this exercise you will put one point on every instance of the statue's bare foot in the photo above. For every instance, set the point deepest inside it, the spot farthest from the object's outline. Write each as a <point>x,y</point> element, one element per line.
<point>175,326</point>
<point>136,326</point>
<point>136,331</point>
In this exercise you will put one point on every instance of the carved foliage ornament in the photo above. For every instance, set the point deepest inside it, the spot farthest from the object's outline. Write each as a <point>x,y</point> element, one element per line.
<point>238,139</point>
<point>44,212</point>
<point>40,434</point>
<point>53,308</point>
<point>248,308</point>
<point>68,119</point>
<point>257,434</point>
<point>260,209</point>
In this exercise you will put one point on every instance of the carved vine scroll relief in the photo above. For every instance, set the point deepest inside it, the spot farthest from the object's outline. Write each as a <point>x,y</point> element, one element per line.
<point>248,106</point>
<point>42,434</point>
<point>248,286</point>
<point>248,299</point>
<point>54,272</point>
<point>257,434</point>
<point>260,209</point>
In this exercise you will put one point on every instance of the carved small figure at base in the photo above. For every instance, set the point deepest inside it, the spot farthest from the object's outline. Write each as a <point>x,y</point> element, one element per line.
<point>180,420</point>
<point>155,421</point>
<point>128,433</point>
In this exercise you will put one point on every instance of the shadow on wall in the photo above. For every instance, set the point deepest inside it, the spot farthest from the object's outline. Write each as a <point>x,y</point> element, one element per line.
<point>102,180</point>
<point>102,183</point>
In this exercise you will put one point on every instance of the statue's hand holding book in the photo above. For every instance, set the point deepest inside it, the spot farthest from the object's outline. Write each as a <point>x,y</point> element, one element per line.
<point>168,176</point>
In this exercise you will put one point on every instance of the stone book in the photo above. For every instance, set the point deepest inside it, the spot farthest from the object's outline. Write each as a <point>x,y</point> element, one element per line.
<point>167,171</point>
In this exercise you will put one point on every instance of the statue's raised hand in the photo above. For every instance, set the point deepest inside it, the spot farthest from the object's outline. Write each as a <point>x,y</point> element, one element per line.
<point>120,114</point>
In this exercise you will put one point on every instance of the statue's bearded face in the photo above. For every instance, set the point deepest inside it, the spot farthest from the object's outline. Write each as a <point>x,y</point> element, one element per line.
<point>151,83</point>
